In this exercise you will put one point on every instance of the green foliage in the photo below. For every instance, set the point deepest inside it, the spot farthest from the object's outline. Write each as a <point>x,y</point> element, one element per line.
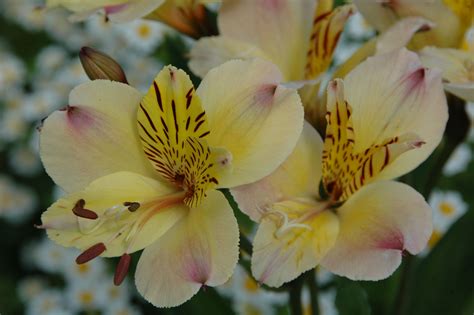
<point>351,298</point>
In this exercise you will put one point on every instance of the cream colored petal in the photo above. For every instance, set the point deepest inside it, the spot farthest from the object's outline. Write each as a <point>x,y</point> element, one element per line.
<point>400,34</point>
<point>282,250</point>
<point>279,28</point>
<point>135,10</point>
<point>457,65</point>
<point>118,228</point>
<point>94,136</point>
<point>376,224</point>
<point>298,176</point>
<point>210,52</point>
<point>464,91</point>
<point>393,95</point>
<point>257,120</point>
<point>201,250</point>
<point>83,5</point>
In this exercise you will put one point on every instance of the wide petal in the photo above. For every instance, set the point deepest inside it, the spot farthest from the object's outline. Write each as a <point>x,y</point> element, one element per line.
<point>201,250</point>
<point>377,224</point>
<point>298,176</point>
<point>94,136</point>
<point>393,95</point>
<point>154,210</point>
<point>279,28</point>
<point>210,52</point>
<point>283,250</point>
<point>252,116</point>
<point>400,34</point>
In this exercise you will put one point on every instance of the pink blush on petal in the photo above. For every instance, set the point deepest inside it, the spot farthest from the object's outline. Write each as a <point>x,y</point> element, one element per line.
<point>392,241</point>
<point>111,9</point>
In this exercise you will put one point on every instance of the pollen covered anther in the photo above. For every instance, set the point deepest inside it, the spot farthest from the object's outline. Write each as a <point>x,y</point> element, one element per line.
<point>132,206</point>
<point>80,211</point>
<point>122,269</point>
<point>91,253</point>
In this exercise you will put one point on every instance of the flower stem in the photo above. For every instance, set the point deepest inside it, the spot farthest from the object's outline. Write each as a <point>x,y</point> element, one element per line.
<point>313,291</point>
<point>295,288</point>
<point>245,244</point>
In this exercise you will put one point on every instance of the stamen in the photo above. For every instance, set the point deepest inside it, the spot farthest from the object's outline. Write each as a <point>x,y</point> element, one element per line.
<point>122,269</point>
<point>132,206</point>
<point>80,211</point>
<point>91,253</point>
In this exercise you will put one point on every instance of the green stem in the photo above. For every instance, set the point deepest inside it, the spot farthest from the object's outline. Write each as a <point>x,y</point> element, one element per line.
<point>313,291</point>
<point>295,288</point>
<point>245,245</point>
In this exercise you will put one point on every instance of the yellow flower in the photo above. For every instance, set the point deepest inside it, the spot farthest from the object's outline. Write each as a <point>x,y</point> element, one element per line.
<point>383,120</point>
<point>298,36</point>
<point>451,17</point>
<point>457,66</point>
<point>142,173</point>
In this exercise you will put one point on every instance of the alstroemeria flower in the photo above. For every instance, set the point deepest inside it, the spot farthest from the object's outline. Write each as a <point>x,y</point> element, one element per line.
<point>142,173</point>
<point>298,36</point>
<point>451,17</point>
<point>383,120</point>
<point>457,66</point>
<point>183,15</point>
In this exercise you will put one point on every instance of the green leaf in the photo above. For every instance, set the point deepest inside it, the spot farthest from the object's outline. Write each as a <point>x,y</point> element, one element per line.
<point>444,281</point>
<point>351,298</point>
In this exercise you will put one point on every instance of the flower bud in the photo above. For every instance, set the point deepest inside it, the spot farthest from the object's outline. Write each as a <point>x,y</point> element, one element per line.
<point>98,65</point>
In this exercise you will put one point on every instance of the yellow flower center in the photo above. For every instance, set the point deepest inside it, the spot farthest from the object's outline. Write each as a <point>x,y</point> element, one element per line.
<point>86,298</point>
<point>250,285</point>
<point>446,208</point>
<point>84,268</point>
<point>434,239</point>
<point>144,31</point>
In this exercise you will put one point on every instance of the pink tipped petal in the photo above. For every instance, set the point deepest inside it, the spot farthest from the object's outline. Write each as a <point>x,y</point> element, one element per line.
<point>280,28</point>
<point>401,33</point>
<point>251,115</point>
<point>298,176</point>
<point>134,10</point>
<point>201,250</point>
<point>392,95</point>
<point>94,136</point>
<point>377,224</point>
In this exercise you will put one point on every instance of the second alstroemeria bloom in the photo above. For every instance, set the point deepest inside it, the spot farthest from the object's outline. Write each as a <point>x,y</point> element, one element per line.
<point>383,120</point>
<point>142,173</point>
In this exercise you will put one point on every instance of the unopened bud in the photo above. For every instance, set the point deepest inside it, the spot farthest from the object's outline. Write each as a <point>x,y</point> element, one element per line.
<point>98,65</point>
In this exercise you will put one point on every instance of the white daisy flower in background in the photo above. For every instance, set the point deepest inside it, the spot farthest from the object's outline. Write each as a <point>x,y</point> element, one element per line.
<point>50,59</point>
<point>323,276</point>
<point>468,43</point>
<point>115,296</point>
<point>121,310</point>
<point>12,72</point>
<point>17,202</point>
<point>82,295</point>
<point>326,301</point>
<point>458,161</point>
<point>252,307</point>
<point>72,74</point>
<point>87,272</point>
<point>12,125</point>
<point>470,113</point>
<point>344,50</point>
<point>30,287</point>
<point>448,206</point>
<point>24,160</point>
<point>143,35</point>
<point>40,104</point>
<point>49,257</point>
<point>141,70</point>
<point>357,28</point>
<point>47,302</point>
<point>28,14</point>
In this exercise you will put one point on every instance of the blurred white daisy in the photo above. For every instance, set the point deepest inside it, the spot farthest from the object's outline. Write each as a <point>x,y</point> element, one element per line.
<point>16,201</point>
<point>40,104</point>
<point>468,42</point>
<point>84,272</point>
<point>458,161</point>
<point>12,125</point>
<point>47,302</point>
<point>49,60</point>
<point>28,14</point>
<point>83,295</point>
<point>24,160</point>
<point>326,302</point>
<point>124,309</point>
<point>115,296</point>
<point>12,72</point>
<point>141,71</point>
<point>49,257</point>
<point>143,35</point>
<point>344,50</point>
<point>252,307</point>
<point>357,28</point>
<point>30,287</point>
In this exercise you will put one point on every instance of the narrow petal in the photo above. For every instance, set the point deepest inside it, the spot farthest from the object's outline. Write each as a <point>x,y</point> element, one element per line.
<point>282,250</point>
<point>457,65</point>
<point>464,91</point>
<point>298,176</point>
<point>130,214</point>
<point>201,250</point>
<point>400,34</point>
<point>393,95</point>
<point>279,28</point>
<point>211,52</point>
<point>173,129</point>
<point>134,10</point>
<point>253,117</point>
<point>377,224</point>
<point>94,136</point>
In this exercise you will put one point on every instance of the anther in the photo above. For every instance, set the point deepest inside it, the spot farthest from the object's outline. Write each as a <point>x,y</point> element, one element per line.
<point>132,206</point>
<point>80,211</point>
<point>122,269</point>
<point>90,253</point>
